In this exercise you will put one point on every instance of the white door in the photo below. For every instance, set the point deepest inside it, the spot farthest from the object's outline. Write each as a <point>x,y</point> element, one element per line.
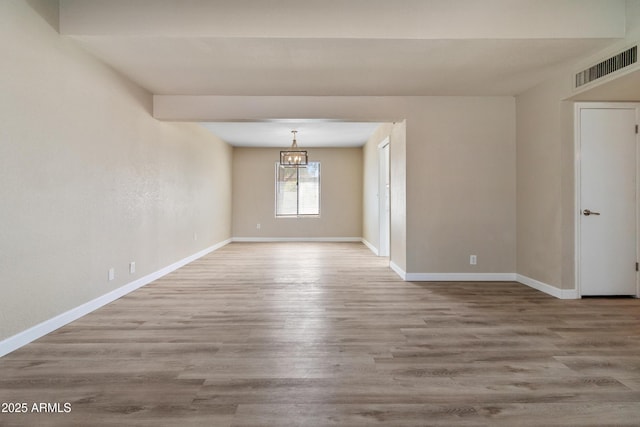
<point>383,199</point>
<point>608,201</point>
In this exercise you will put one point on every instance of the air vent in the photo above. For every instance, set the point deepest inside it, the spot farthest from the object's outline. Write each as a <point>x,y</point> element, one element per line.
<point>608,66</point>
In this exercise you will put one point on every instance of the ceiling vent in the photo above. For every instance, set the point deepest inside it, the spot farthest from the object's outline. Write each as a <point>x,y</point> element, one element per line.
<point>608,66</point>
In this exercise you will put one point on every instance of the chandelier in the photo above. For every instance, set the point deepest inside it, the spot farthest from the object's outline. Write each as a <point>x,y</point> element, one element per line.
<point>293,157</point>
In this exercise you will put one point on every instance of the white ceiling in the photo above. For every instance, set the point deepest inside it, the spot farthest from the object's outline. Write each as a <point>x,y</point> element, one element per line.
<point>311,133</point>
<point>337,48</point>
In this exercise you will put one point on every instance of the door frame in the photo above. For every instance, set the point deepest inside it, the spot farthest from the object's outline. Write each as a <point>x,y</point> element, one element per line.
<point>384,228</point>
<point>577,180</point>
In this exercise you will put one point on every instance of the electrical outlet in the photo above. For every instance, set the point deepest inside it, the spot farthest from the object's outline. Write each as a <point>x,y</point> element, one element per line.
<point>132,267</point>
<point>258,226</point>
<point>195,236</point>
<point>473,260</point>
<point>112,273</point>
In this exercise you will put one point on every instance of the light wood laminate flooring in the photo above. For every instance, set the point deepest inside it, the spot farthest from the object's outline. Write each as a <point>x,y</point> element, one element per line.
<point>314,334</point>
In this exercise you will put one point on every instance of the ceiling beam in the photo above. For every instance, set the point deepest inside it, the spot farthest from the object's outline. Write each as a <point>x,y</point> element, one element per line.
<point>260,108</point>
<point>369,19</point>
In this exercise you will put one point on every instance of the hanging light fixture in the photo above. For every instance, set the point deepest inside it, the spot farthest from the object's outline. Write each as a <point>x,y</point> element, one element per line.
<point>293,157</point>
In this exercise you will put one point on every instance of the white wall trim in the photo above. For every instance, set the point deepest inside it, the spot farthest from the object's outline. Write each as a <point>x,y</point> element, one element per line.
<point>548,289</point>
<point>25,337</point>
<point>460,277</point>
<point>295,239</point>
<point>370,246</point>
<point>399,271</point>
<point>577,177</point>
<point>486,277</point>
<point>383,143</point>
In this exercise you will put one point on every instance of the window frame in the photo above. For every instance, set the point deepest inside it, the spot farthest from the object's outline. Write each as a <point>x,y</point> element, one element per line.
<point>297,215</point>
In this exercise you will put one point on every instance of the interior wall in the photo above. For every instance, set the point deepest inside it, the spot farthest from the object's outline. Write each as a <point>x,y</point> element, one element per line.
<point>539,182</point>
<point>546,213</point>
<point>370,189</point>
<point>90,180</point>
<point>340,195</point>
<point>451,157</point>
<point>461,189</point>
<point>398,195</point>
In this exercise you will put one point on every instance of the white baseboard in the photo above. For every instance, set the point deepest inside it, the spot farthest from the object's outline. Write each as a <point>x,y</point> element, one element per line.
<point>452,277</point>
<point>460,277</point>
<point>486,277</point>
<point>295,239</point>
<point>25,337</point>
<point>548,289</point>
<point>22,338</point>
<point>370,246</point>
<point>399,271</point>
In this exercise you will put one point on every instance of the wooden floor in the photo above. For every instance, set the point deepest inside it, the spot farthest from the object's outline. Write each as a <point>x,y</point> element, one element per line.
<point>325,334</point>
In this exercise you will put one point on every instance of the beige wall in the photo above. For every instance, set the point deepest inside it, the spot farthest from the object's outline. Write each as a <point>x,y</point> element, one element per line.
<point>89,179</point>
<point>461,186</point>
<point>546,185</point>
<point>539,166</point>
<point>254,197</point>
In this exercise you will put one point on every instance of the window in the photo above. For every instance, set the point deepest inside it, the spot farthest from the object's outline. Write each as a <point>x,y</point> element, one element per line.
<point>298,190</point>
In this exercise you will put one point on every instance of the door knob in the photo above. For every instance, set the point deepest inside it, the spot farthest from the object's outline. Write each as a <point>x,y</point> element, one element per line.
<point>587,212</point>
